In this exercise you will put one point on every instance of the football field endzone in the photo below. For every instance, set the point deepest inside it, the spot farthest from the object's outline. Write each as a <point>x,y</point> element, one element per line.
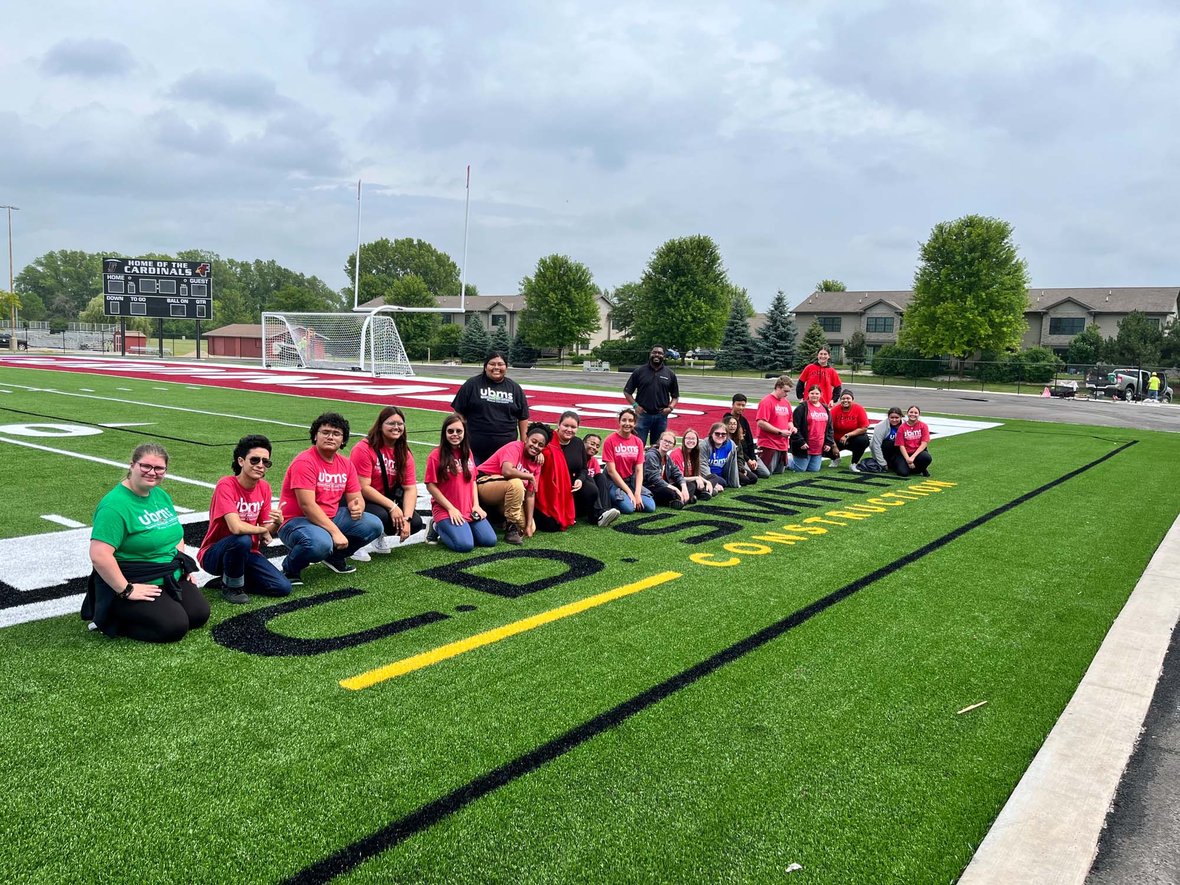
<point>422,818</point>
<point>754,530</point>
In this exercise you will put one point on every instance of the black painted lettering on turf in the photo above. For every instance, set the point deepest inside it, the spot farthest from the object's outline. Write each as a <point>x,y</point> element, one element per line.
<point>651,525</point>
<point>459,573</point>
<point>425,816</point>
<point>251,633</point>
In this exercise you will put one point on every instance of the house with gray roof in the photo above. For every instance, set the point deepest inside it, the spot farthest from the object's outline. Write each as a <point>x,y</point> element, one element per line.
<point>1054,316</point>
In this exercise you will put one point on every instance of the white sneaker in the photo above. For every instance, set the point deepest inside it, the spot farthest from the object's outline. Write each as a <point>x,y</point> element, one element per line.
<point>381,545</point>
<point>360,555</point>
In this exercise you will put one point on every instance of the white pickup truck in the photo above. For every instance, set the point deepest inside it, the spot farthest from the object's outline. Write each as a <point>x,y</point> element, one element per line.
<point>1126,384</point>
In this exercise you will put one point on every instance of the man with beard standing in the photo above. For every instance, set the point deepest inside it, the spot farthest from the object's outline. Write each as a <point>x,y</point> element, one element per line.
<point>653,391</point>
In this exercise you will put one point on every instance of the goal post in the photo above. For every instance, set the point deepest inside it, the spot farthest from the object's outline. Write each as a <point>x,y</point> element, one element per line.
<point>360,341</point>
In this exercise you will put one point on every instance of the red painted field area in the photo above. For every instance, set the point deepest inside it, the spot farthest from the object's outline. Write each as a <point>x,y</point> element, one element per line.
<point>597,408</point>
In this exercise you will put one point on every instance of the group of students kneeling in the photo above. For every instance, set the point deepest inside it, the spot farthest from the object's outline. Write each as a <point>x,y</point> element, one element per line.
<point>333,508</point>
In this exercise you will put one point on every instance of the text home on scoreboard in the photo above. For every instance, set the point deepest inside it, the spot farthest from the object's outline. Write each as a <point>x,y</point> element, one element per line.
<point>139,287</point>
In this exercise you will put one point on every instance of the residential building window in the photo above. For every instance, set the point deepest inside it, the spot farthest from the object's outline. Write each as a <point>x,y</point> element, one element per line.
<point>830,324</point>
<point>1066,325</point>
<point>879,325</point>
<point>499,319</point>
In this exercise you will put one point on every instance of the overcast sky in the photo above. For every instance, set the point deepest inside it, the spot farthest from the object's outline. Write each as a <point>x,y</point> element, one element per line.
<point>808,139</point>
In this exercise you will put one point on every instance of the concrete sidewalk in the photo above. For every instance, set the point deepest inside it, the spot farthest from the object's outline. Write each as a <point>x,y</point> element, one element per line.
<point>1049,831</point>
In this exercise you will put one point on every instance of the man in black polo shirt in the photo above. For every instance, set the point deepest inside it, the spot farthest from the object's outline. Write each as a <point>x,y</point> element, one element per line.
<point>653,391</point>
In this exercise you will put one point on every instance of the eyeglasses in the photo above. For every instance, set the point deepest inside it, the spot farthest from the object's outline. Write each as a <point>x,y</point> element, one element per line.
<point>158,469</point>
<point>395,423</point>
<point>330,433</point>
<point>258,459</point>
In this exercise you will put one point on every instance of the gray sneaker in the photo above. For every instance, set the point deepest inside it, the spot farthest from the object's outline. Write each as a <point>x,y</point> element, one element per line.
<point>234,595</point>
<point>608,516</point>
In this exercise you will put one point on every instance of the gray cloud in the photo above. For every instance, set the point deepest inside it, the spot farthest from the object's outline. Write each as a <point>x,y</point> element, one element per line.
<point>91,58</point>
<point>245,92</point>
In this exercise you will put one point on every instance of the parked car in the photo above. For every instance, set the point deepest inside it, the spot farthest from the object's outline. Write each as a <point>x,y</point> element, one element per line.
<point>702,353</point>
<point>6,342</point>
<point>1127,384</point>
<point>672,353</point>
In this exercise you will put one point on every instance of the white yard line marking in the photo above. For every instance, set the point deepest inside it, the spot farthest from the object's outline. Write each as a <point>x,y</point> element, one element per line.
<point>131,402</point>
<point>180,509</point>
<point>62,520</point>
<point>117,424</point>
<point>127,389</point>
<point>86,389</point>
<point>172,477</point>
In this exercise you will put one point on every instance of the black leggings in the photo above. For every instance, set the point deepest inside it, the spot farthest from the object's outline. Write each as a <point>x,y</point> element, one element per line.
<point>162,619</point>
<point>382,513</point>
<point>897,462</point>
<point>587,503</point>
<point>857,445</point>
<point>666,496</point>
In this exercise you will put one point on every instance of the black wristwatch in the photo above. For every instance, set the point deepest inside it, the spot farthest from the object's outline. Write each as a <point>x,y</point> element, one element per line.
<point>126,591</point>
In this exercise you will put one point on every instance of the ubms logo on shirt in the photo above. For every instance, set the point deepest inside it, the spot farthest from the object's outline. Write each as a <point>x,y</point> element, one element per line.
<point>490,395</point>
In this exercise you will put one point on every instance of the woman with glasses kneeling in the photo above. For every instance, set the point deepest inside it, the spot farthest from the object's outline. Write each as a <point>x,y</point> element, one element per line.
<point>450,478</point>
<point>240,521</point>
<point>141,586</point>
<point>662,475</point>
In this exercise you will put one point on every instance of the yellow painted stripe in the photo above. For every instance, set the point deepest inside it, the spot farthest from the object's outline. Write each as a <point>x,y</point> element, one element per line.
<point>451,649</point>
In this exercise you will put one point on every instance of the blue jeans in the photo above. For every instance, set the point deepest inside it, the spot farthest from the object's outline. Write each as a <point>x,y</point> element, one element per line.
<point>650,424</point>
<point>463,538</point>
<point>307,542</point>
<point>806,463</point>
<point>624,503</point>
<point>241,567</point>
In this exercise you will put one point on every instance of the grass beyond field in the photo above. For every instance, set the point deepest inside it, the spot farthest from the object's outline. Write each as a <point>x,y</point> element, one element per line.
<point>778,684</point>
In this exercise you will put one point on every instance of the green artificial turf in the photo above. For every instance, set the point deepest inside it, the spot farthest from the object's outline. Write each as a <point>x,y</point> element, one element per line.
<point>836,746</point>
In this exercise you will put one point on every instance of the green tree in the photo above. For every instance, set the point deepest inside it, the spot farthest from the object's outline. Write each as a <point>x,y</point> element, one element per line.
<point>855,348</point>
<point>387,260</point>
<point>1086,347</point>
<point>970,290</point>
<point>1138,343</point>
<point>686,295</point>
<point>500,340</point>
<point>291,299</point>
<point>561,303</point>
<point>521,353</point>
<point>830,286</point>
<point>742,297</point>
<point>446,341</point>
<point>63,281</point>
<point>813,339</point>
<point>1170,350</point>
<point>738,350</point>
<point>777,339</point>
<point>476,343</point>
<point>628,302</point>
<point>417,330</point>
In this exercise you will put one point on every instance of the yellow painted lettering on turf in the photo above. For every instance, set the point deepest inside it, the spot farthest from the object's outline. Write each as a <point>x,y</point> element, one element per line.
<point>451,649</point>
<point>866,508</point>
<point>939,482</point>
<point>908,497</point>
<point>708,559</point>
<point>924,487</point>
<point>808,529</point>
<point>779,538</point>
<point>821,519</point>
<point>885,503</point>
<point>744,547</point>
<point>847,514</point>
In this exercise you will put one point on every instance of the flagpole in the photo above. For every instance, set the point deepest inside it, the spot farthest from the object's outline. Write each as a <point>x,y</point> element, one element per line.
<point>466,219</point>
<point>356,280</point>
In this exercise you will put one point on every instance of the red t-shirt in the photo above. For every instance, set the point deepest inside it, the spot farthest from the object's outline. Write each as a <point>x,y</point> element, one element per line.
<point>817,427</point>
<point>776,413</point>
<point>623,453</point>
<point>824,376</point>
<point>512,454</point>
<point>330,480</point>
<point>364,459</point>
<point>229,496</point>
<point>593,468</point>
<point>846,422</point>
<point>455,488</point>
<point>910,436</point>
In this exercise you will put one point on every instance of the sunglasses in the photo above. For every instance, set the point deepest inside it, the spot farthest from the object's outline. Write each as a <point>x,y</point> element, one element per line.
<point>258,459</point>
<point>720,433</point>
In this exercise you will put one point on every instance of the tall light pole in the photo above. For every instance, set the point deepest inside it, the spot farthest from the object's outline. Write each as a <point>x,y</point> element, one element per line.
<point>11,291</point>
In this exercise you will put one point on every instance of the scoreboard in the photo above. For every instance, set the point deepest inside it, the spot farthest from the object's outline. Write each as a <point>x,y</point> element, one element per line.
<point>141,287</point>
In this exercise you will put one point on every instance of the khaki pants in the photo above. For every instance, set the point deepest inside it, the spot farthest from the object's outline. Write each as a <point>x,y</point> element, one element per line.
<point>507,494</point>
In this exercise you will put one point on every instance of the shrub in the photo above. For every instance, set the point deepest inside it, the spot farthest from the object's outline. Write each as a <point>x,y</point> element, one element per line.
<point>905,362</point>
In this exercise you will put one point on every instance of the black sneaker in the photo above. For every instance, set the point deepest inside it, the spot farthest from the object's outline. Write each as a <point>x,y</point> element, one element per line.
<point>235,595</point>
<point>340,566</point>
<point>293,580</point>
<point>925,472</point>
<point>432,534</point>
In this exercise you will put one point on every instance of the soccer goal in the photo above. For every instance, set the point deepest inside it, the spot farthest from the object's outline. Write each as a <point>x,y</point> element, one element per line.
<point>363,341</point>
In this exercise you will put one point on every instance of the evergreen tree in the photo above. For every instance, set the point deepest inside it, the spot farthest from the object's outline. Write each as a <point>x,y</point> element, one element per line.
<point>812,342</point>
<point>501,341</point>
<point>738,350</point>
<point>777,337</point>
<point>476,343</point>
<point>521,353</point>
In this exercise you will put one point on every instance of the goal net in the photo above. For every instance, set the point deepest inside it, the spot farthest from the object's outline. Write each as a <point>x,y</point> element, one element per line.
<point>364,342</point>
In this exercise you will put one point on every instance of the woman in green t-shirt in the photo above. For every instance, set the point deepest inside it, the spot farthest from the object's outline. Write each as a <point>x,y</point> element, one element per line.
<point>141,586</point>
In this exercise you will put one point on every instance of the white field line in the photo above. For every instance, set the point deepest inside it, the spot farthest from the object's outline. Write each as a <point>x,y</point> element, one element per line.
<point>63,520</point>
<point>172,477</point>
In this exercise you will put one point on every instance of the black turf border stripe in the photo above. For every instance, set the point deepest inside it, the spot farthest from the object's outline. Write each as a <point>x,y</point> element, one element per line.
<point>426,816</point>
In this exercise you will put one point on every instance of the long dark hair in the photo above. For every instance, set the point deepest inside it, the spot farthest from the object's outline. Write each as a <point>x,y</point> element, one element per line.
<point>446,463</point>
<point>401,446</point>
<point>692,457</point>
